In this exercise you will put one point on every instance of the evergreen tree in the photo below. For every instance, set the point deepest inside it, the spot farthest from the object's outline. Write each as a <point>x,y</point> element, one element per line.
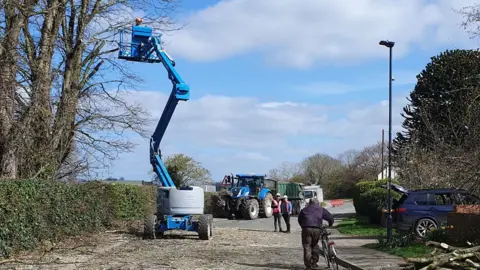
<point>441,102</point>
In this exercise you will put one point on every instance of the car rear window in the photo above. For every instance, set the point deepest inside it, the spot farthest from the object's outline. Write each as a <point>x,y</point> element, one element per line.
<point>401,201</point>
<point>441,199</point>
<point>418,198</point>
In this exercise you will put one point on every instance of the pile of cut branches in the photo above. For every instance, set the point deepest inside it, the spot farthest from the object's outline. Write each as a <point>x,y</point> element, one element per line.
<point>448,257</point>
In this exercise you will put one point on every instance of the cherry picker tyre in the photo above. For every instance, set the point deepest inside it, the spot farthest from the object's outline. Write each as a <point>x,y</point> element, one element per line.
<point>149,227</point>
<point>205,227</point>
<point>250,209</point>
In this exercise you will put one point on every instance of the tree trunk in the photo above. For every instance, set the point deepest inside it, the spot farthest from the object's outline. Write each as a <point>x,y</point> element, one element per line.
<point>8,87</point>
<point>38,121</point>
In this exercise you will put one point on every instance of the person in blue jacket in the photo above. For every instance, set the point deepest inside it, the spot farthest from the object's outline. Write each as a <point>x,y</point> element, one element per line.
<point>286,209</point>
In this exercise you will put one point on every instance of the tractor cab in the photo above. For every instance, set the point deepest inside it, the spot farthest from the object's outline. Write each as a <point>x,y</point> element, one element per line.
<point>244,184</point>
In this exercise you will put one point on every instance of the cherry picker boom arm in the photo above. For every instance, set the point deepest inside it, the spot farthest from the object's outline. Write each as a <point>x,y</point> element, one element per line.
<point>147,48</point>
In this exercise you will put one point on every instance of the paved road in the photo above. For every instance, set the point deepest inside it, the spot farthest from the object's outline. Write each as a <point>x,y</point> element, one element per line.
<point>348,247</point>
<point>266,225</point>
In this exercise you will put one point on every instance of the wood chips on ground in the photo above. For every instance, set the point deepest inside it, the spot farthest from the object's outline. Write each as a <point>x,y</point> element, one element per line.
<point>229,249</point>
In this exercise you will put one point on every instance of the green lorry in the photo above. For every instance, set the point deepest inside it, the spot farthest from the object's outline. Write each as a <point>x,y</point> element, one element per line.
<point>294,192</point>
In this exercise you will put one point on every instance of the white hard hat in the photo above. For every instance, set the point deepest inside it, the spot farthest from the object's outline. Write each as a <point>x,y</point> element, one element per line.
<point>278,195</point>
<point>285,197</point>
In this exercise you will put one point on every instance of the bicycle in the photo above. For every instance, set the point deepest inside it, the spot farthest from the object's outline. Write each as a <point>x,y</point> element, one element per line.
<point>329,251</point>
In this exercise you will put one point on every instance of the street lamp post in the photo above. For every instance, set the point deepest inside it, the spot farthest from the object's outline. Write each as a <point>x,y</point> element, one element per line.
<point>383,150</point>
<point>389,45</point>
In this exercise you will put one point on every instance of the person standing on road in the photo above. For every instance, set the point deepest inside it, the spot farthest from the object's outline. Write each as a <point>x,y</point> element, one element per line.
<point>311,219</point>
<point>276,212</point>
<point>286,207</point>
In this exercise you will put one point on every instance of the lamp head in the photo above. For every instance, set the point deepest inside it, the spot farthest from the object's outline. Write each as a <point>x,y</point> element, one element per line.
<point>387,43</point>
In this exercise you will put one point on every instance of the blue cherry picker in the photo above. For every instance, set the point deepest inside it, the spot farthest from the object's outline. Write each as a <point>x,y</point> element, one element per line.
<point>176,208</point>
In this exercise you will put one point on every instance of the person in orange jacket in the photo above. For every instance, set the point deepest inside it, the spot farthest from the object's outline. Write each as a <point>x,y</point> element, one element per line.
<point>276,212</point>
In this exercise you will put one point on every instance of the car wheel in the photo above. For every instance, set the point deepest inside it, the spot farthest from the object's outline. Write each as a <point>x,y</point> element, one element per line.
<point>423,226</point>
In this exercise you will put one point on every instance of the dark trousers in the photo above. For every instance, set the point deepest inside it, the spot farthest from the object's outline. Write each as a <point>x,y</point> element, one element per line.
<point>311,249</point>
<point>276,219</point>
<point>286,218</point>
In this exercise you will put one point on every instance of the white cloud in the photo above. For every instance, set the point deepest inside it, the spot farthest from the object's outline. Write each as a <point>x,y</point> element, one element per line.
<point>301,33</point>
<point>245,135</point>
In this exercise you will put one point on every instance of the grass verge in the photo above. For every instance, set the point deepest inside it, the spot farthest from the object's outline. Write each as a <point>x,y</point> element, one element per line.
<point>411,251</point>
<point>359,226</point>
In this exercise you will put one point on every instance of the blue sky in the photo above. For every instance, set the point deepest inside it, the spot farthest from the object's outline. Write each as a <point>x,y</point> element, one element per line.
<point>275,81</point>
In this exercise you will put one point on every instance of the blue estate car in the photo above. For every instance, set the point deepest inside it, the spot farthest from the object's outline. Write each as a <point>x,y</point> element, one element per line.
<point>426,209</point>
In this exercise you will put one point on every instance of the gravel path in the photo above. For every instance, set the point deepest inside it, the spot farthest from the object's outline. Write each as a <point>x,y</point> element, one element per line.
<point>230,249</point>
<point>237,244</point>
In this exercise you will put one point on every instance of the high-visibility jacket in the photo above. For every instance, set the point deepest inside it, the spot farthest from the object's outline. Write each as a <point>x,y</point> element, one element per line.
<point>276,206</point>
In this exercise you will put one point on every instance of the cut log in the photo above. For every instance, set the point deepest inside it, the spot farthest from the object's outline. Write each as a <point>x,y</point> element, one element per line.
<point>446,259</point>
<point>472,263</point>
<point>451,257</point>
<point>443,246</point>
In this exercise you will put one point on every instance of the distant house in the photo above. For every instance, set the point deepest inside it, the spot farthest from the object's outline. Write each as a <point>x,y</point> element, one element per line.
<point>385,173</point>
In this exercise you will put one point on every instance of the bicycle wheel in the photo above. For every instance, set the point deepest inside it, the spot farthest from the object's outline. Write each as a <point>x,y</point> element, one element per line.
<point>325,251</point>
<point>332,258</point>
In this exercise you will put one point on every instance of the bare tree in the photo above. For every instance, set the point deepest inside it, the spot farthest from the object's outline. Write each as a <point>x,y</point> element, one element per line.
<point>11,23</point>
<point>450,157</point>
<point>319,168</point>
<point>349,159</point>
<point>443,164</point>
<point>67,112</point>
<point>369,160</point>
<point>286,171</point>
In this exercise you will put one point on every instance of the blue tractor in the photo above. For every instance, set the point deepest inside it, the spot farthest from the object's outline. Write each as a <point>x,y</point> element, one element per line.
<point>249,196</point>
<point>177,209</point>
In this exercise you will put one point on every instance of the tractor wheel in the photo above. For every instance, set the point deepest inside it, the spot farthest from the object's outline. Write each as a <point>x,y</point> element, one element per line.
<point>250,209</point>
<point>205,227</point>
<point>267,210</point>
<point>149,227</point>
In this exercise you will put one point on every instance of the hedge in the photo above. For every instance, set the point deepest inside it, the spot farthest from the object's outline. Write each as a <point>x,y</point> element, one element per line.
<point>32,211</point>
<point>362,207</point>
<point>214,205</point>
<point>375,200</point>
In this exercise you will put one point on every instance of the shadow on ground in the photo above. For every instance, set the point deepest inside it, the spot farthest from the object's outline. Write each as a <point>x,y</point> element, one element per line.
<point>343,215</point>
<point>256,230</point>
<point>345,237</point>
<point>139,234</point>
<point>273,265</point>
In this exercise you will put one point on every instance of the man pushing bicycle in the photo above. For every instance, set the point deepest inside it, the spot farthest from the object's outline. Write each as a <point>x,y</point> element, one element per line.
<point>311,219</point>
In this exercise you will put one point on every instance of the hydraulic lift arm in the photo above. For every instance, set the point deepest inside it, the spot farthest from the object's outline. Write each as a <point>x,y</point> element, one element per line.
<point>147,48</point>
<point>180,91</point>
